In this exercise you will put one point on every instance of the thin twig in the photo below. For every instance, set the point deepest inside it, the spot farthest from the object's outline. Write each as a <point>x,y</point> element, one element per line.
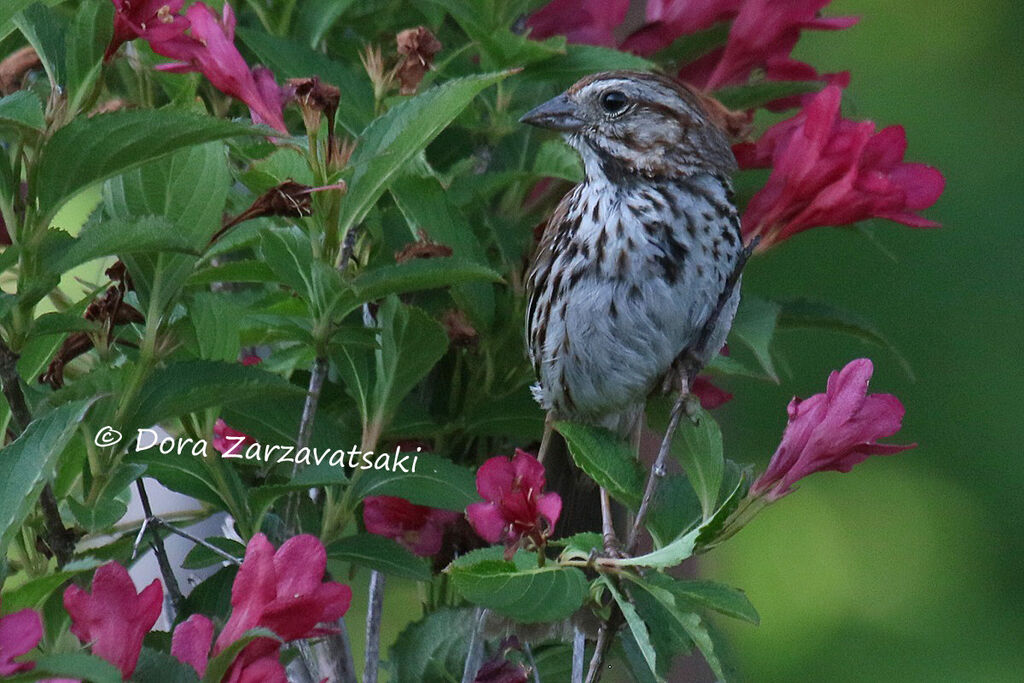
<point>545,440</point>
<point>604,634</point>
<point>373,618</point>
<point>611,542</point>
<point>657,470</point>
<point>160,551</point>
<point>59,538</point>
<point>157,521</point>
<point>316,384</point>
<point>579,645</point>
<point>475,652</point>
<point>533,662</point>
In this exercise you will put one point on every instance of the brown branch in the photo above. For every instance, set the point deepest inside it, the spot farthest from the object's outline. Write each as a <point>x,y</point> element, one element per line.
<point>162,559</point>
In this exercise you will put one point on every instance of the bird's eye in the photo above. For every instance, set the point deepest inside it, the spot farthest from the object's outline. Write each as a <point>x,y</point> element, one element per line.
<point>614,101</point>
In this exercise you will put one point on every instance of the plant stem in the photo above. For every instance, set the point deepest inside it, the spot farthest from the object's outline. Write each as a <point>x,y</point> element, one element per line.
<point>317,376</point>
<point>373,618</point>
<point>604,639</point>
<point>579,645</point>
<point>157,521</point>
<point>475,652</point>
<point>161,553</point>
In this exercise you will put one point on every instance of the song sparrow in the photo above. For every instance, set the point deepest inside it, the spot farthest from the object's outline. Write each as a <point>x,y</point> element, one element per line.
<point>637,269</point>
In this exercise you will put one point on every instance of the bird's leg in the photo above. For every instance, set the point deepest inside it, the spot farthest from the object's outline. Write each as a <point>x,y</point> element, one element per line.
<point>545,441</point>
<point>658,469</point>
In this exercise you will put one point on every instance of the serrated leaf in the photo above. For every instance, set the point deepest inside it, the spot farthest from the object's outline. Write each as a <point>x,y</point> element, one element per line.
<point>23,110</point>
<point>109,237</point>
<point>89,150</point>
<point>190,386</point>
<point>743,97</point>
<point>674,509</point>
<point>581,60</point>
<point>382,554</point>
<point>754,326</point>
<point>710,529</point>
<point>636,626</point>
<point>669,556</point>
<point>392,140</point>
<point>433,648</point>
<point>718,597</point>
<point>46,32</point>
<point>437,482</point>
<point>289,254</point>
<point>516,415</point>
<point>28,462</point>
<point>556,159</point>
<point>233,271</point>
<point>689,47</point>
<point>519,589</point>
<point>90,33</point>
<point>607,459</point>
<point>8,10</point>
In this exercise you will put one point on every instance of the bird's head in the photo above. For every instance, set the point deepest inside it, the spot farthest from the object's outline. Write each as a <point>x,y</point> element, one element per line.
<point>636,124</point>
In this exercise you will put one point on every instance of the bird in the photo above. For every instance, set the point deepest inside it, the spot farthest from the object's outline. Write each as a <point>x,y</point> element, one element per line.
<point>636,277</point>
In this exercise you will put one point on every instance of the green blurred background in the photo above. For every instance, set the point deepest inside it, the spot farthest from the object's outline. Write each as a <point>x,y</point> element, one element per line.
<point>911,568</point>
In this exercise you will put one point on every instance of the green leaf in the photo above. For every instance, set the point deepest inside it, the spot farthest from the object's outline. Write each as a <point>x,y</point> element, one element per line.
<point>289,254</point>
<point>437,482</point>
<point>433,648</point>
<point>34,592</point>
<point>697,446</point>
<point>428,209</point>
<point>418,274</point>
<point>167,186</point>
<point>392,140</point>
<point>719,597</point>
<point>659,587</point>
<point>23,110</point>
<point>516,415</point>
<point>234,271</point>
<point>607,459</point>
<point>181,473</point>
<point>382,554</point>
<point>105,238</point>
<point>411,343</point>
<point>155,665</point>
<point>211,597</point>
<point>674,509</point>
<point>218,665</point>
<point>200,556</point>
<point>90,34</point>
<point>316,17</point>
<point>519,589</point>
<point>216,318</point>
<point>191,386</point>
<point>78,665</point>
<point>8,10</point>
<point>636,626</point>
<point>754,326</point>
<point>291,59</point>
<point>45,30</point>
<point>89,150</point>
<point>582,60</point>
<point>708,532</point>
<point>488,25</point>
<point>808,314</point>
<point>745,97</point>
<point>28,462</point>
<point>669,556</point>
<point>556,159</point>
<point>691,46</point>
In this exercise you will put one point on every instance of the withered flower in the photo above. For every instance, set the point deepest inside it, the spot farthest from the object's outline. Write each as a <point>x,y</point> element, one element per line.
<point>289,199</point>
<point>418,46</point>
<point>460,332</point>
<point>423,248</point>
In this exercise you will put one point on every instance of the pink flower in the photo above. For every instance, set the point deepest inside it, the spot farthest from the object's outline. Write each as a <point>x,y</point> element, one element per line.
<point>763,35</point>
<point>668,20</point>
<point>710,395</point>
<point>417,527</point>
<point>191,644</point>
<point>114,618</point>
<point>590,22</point>
<point>516,508</point>
<point>827,170</point>
<point>283,591</point>
<point>832,431</point>
<point>19,633</point>
<point>209,48</point>
<point>230,441</point>
<point>154,20</point>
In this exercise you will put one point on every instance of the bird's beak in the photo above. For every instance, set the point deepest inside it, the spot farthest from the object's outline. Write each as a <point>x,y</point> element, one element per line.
<point>558,113</point>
